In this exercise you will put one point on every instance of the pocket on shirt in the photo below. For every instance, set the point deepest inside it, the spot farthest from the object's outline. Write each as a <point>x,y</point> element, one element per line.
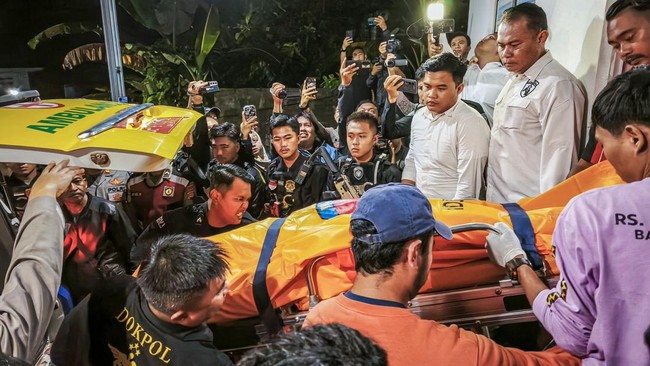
<point>517,114</point>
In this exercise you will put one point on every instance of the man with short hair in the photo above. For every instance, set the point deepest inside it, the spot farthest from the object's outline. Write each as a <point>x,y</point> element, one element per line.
<point>392,241</point>
<point>485,79</point>
<point>98,239</point>
<point>365,168</point>
<point>158,318</point>
<point>628,32</point>
<point>460,45</point>
<point>599,308</point>
<point>226,145</point>
<point>23,175</point>
<point>449,139</point>
<point>538,117</point>
<point>331,345</point>
<point>295,179</point>
<point>225,210</point>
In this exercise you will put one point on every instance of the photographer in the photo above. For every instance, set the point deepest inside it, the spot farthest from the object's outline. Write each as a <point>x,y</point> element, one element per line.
<point>200,151</point>
<point>384,66</point>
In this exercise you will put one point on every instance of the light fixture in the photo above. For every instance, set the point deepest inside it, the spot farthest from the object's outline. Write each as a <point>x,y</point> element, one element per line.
<point>435,11</point>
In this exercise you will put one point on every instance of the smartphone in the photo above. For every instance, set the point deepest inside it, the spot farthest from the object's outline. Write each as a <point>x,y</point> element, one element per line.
<point>310,82</point>
<point>410,86</point>
<point>360,64</point>
<point>349,34</point>
<point>249,111</point>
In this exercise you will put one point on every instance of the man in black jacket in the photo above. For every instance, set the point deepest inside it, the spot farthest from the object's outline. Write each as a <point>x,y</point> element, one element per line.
<point>295,180</point>
<point>160,318</point>
<point>98,239</point>
<point>225,209</point>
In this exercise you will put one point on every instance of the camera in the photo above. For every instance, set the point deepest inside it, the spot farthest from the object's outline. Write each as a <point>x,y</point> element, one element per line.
<point>360,64</point>
<point>393,62</point>
<point>282,94</point>
<point>393,45</point>
<point>381,146</point>
<point>249,111</point>
<point>371,22</point>
<point>212,87</point>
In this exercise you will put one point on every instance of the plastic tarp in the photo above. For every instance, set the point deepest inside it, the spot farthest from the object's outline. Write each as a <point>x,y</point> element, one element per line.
<point>307,237</point>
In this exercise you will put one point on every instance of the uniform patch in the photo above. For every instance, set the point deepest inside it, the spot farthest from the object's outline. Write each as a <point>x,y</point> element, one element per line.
<point>161,222</point>
<point>290,186</point>
<point>273,185</point>
<point>168,191</point>
<point>357,172</point>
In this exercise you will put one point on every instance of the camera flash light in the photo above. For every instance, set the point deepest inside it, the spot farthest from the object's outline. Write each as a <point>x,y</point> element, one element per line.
<point>435,11</point>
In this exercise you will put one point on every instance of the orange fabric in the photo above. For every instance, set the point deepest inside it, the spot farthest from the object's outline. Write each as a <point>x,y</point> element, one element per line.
<point>305,237</point>
<point>409,340</point>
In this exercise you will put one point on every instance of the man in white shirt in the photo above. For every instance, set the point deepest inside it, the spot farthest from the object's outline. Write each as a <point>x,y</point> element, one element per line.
<point>449,139</point>
<point>538,117</point>
<point>485,79</point>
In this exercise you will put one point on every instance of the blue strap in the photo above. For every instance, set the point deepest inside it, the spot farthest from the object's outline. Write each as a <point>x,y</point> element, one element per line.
<point>524,229</point>
<point>66,299</point>
<point>272,321</point>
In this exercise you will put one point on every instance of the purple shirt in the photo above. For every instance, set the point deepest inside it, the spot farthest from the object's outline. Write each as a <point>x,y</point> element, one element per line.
<point>601,306</point>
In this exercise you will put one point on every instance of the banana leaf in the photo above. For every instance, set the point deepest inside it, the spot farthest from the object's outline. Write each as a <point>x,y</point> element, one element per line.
<point>207,37</point>
<point>96,52</point>
<point>63,29</point>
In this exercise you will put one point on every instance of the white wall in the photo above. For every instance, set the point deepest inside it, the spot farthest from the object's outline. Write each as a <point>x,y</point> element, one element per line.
<point>577,36</point>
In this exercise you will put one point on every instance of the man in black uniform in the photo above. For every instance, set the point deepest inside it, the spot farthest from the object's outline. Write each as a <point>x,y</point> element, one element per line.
<point>98,239</point>
<point>225,209</point>
<point>364,167</point>
<point>295,180</point>
<point>225,149</point>
<point>158,318</point>
<point>23,175</point>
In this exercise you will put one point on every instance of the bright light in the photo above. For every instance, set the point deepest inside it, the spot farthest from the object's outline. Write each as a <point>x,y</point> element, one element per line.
<point>436,11</point>
<point>13,91</point>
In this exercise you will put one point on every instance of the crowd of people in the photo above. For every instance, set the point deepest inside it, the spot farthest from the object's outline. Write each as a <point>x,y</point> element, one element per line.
<point>505,124</point>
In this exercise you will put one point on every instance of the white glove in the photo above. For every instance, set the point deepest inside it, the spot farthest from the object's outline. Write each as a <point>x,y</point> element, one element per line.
<point>502,248</point>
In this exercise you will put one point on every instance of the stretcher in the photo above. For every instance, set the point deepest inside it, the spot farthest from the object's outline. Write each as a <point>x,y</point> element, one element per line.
<point>311,260</point>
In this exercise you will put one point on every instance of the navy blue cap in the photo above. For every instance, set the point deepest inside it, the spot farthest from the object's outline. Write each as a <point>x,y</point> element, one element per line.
<point>398,211</point>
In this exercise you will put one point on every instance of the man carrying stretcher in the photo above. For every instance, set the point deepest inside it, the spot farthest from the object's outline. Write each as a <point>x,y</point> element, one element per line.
<point>392,251</point>
<point>600,308</point>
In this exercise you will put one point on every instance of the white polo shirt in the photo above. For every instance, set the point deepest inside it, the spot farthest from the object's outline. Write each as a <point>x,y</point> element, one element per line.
<point>535,138</point>
<point>448,152</point>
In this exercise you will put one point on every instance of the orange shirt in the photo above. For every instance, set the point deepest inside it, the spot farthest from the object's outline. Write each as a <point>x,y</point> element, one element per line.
<point>410,340</point>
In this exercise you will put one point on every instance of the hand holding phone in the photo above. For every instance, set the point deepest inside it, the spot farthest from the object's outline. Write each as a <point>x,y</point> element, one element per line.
<point>410,86</point>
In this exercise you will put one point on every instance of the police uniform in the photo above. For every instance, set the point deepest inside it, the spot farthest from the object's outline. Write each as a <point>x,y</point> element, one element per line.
<point>151,201</point>
<point>20,192</point>
<point>110,185</point>
<point>191,220</point>
<point>363,176</point>
<point>285,194</point>
<point>115,326</point>
<point>258,189</point>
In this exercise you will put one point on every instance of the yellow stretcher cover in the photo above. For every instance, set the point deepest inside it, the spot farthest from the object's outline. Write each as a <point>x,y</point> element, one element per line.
<point>458,263</point>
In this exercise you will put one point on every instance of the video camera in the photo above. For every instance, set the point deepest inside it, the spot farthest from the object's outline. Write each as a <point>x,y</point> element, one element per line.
<point>395,62</point>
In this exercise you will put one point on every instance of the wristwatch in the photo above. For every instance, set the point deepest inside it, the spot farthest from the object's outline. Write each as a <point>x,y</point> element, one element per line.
<point>514,263</point>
